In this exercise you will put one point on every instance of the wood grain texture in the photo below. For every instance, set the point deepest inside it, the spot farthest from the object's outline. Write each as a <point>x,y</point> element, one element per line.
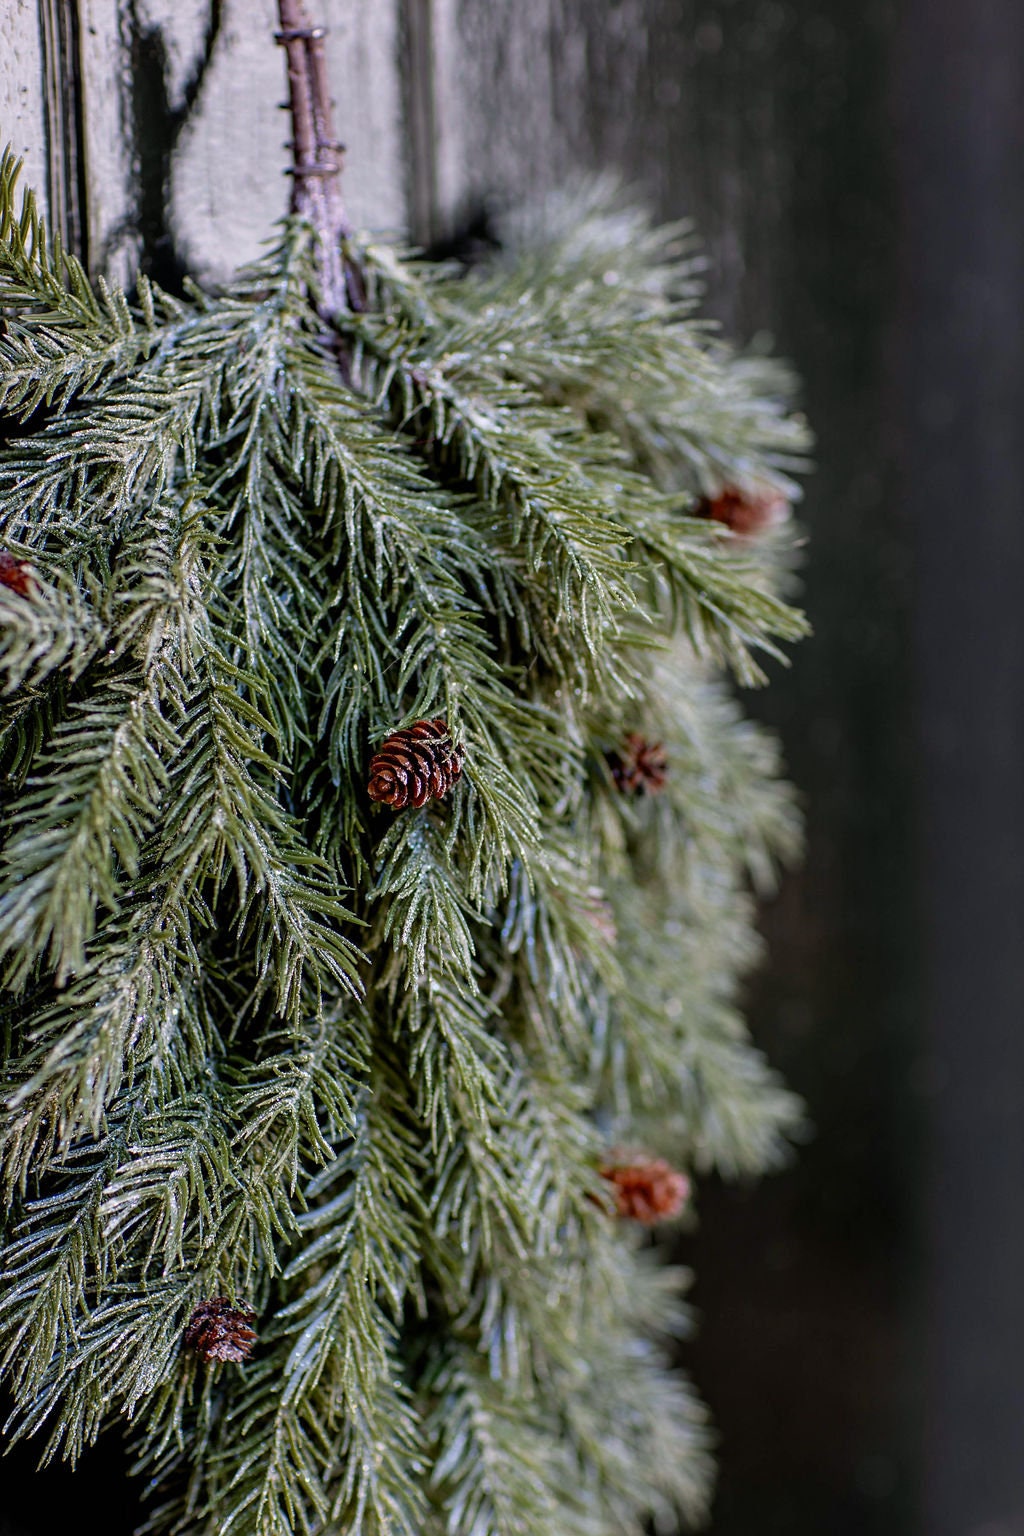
<point>22,99</point>
<point>110,199</point>
<point>679,99</point>
<point>179,118</point>
<point>227,187</point>
<point>498,76</point>
<point>526,97</point>
<point>62,96</point>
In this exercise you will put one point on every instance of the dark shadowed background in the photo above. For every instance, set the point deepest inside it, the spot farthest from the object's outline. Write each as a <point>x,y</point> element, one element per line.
<point>856,168</point>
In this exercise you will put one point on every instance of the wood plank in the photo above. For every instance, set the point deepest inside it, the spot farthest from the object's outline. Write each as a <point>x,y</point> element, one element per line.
<point>227,187</point>
<point>110,199</point>
<point>22,110</point>
<point>58,20</point>
<point>494,104</point>
<point>184,140</point>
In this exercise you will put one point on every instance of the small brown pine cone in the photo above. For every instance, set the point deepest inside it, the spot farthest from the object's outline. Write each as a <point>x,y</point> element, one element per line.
<point>14,574</point>
<point>648,1190</point>
<point>641,766</point>
<point>219,1331</point>
<point>415,764</point>
<point>747,513</point>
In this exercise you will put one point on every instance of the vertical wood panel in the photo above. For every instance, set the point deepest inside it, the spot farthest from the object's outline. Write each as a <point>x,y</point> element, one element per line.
<point>63,111</point>
<point>22,111</point>
<point>110,199</point>
<point>419,81</point>
<point>179,118</point>
<point>496,132</point>
<point>677,97</point>
<point>765,121</point>
<point>227,182</point>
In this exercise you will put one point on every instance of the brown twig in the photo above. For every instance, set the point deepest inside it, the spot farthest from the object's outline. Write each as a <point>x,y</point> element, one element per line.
<point>316,160</point>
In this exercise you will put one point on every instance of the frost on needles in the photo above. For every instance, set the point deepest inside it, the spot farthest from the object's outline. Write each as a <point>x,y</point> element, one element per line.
<point>271,1045</point>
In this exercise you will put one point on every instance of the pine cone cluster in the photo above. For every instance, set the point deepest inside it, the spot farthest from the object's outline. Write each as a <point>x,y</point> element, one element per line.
<point>747,513</point>
<point>640,766</point>
<point>14,574</point>
<point>415,764</point>
<point>219,1331</point>
<point>648,1190</point>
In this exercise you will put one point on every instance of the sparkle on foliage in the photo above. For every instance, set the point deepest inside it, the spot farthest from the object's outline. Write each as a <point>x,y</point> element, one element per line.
<point>219,1331</point>
<point>747,513</point>
<point>640,766</point>
<point>415,764</point>
<point>648,1190</point>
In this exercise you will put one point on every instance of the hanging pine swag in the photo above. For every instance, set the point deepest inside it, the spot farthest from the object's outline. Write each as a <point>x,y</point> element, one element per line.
<point>291,1057</point>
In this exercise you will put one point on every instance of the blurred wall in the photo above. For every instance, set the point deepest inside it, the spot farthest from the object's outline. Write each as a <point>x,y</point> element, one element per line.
<point>960,374</point>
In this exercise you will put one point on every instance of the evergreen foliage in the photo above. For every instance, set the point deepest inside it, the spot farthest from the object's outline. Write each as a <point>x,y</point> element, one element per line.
<point>266,1040</point>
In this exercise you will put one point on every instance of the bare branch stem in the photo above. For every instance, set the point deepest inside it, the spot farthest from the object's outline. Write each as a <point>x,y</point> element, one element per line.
<point>316,158</point>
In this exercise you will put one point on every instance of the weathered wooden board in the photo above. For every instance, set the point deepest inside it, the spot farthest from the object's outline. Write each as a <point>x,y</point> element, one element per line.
<point>514,91</point>
<point>182,134</point>
<point>443,105</point>
<point>679,99</point>
<point>227,182</point>
<point>108,152</point>
<point>22,98</point>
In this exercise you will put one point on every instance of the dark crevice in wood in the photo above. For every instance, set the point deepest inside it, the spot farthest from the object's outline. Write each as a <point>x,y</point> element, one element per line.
<point>157,127</point>
<point>62,104</point>
<point>471,242</point>
<point>418,86</point>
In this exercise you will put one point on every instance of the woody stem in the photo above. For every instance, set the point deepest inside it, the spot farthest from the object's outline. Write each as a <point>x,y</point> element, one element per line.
<point>316,158</point>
